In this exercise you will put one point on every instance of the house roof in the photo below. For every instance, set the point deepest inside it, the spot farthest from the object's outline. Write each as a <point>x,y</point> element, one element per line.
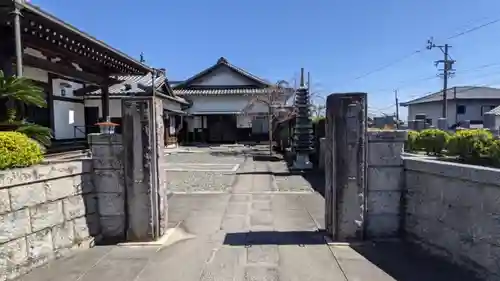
<point>48,29</point>
<point>462,93</point>
<point>222,91</point>
<point>495,111</point>
<point>223,62</point>
<point>140,84</point>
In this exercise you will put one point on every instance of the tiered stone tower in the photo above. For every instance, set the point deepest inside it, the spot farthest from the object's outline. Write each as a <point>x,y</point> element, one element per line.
<point>303,132</point>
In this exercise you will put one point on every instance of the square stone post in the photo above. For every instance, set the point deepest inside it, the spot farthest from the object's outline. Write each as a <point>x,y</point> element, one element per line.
<point>145,177</point>
<point>107,154</point>
<point>385,183</point>
<point>345,165</point>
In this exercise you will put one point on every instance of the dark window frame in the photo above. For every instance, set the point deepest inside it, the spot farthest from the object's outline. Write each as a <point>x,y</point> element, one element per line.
<point>461,106</point>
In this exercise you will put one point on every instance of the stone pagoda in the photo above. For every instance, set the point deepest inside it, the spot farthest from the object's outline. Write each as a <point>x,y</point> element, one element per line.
<point>303,132</point>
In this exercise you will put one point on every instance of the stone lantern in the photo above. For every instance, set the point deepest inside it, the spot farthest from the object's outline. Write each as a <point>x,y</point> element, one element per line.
<point>303,132</point>
<point>107,127</point>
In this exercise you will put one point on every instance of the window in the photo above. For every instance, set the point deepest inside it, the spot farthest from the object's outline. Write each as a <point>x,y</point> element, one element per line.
<point>428,121</point>
<point>71,116</point>
<point>460,109</point>
<point>486,108</point>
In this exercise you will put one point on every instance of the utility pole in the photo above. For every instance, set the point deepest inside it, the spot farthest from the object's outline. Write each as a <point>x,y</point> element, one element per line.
<point>397,108</point>
<point>447,70</point>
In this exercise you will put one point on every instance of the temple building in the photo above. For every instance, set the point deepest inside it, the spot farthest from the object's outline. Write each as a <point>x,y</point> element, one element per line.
<point>83,78</point>
<point>225,104</point>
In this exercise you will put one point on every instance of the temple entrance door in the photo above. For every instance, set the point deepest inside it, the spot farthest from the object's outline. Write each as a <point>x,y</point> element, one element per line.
<point>221,128</point>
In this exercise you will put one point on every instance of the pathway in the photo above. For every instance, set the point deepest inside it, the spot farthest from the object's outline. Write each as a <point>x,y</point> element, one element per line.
<point>253,223</point>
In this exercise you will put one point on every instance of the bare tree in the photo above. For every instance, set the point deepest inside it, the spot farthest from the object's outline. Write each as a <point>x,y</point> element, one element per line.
<point>275,102</point>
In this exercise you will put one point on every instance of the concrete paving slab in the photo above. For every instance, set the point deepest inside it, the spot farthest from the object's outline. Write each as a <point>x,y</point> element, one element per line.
<point>250,231</point>
<point>69,268</point>
<point>261,273</point>
<point>225,264</point>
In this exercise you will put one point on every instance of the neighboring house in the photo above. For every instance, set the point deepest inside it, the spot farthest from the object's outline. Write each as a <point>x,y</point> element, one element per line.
<point>464,103</point>
<point>224,106</point>
<point>135,85</point>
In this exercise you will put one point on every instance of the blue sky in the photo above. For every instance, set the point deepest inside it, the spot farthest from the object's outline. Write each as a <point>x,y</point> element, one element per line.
<point>337,41</point>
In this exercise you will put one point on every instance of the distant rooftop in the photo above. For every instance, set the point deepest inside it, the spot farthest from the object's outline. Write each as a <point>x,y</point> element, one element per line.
<point>461,93</point>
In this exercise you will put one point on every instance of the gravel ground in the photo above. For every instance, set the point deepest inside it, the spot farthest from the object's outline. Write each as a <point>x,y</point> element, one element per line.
<point>202,181</point>
<point>197,181</point>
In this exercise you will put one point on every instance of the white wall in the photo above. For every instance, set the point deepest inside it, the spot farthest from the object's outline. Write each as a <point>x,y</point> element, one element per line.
<point>194,122</point>
<point>172,105</point>
<point>432,110</point>
<point>115,106</point>
<point>36,74</point>
<point>68,114</point>
<point>224,76</point>
<point>224,103</point>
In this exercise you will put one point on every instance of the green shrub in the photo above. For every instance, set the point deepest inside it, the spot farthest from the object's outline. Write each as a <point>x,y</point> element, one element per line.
<point>494,152</point>
<point>411,141</point>
<point>470,144</point>
<point>18,150</point>
<point>432,141</point>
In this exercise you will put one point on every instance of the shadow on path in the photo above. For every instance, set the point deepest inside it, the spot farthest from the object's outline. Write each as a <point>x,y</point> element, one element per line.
<point>363,260</point>
<point>275,238</point>
<point>407,262</point>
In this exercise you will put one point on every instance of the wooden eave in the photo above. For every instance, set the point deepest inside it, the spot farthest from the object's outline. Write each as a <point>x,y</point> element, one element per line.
<point>46,33</point>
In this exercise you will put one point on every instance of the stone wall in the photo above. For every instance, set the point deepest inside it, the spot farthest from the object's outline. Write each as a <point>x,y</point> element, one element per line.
<point>385,183</point>
<point>454,210</point>
<point>45,211</point>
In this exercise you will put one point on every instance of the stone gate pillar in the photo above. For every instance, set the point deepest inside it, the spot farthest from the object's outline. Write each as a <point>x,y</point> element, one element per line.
<point>145,177</point>
<point>345,165</point>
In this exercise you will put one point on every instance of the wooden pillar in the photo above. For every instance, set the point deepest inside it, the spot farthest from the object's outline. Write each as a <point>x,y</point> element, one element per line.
<point>105,100</point>
<point>17,39</point>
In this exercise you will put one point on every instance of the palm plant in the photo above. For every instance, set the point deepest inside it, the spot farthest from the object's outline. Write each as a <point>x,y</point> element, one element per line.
<point>16,90</point>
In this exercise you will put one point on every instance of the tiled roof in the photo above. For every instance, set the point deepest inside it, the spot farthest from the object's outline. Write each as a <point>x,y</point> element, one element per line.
<point>463,92</point>
<point>495,111</point>
<point>225,91</point>
<point>138,84</point>
<point>132,84</point>
<point>223,62</point>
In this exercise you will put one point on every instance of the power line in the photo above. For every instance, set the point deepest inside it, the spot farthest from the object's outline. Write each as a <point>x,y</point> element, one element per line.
<point>473,29</point>
<point>419,51</point>
<point>388,65</point>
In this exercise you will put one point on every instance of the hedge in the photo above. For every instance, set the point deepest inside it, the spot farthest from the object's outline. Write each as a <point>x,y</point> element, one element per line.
<point>432,141</point>
<point>18,150</point>
<point>470,146</point>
